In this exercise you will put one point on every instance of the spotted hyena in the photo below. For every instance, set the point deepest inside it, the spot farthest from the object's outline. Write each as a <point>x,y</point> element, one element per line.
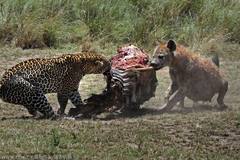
<point>194,77</point>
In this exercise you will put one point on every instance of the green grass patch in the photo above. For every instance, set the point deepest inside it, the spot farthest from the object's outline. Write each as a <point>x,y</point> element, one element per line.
<point>141,139</point>
<point>38,24</point>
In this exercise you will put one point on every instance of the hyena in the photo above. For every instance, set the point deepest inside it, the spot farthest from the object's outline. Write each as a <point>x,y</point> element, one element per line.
<point>196,78</point>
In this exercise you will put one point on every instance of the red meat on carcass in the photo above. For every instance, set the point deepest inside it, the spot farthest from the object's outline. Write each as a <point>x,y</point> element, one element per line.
<point>129,57</point>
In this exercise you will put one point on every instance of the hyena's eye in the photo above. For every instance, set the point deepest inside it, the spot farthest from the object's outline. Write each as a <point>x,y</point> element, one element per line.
<point>161,57</point>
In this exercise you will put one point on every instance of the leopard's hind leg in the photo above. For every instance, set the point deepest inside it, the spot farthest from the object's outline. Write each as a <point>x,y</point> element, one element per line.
<point>74,97</point>
<point>19,91</point>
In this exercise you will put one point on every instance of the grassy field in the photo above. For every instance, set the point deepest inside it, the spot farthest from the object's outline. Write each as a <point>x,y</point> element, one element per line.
<point>48,28</point>
<point>201,132</point>
<point>107,23</point>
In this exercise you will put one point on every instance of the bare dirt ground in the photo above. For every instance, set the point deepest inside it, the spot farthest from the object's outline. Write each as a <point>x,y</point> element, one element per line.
<point>200,132</point>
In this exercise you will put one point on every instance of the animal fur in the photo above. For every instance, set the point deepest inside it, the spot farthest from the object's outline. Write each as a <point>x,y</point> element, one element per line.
<point>194,77</point>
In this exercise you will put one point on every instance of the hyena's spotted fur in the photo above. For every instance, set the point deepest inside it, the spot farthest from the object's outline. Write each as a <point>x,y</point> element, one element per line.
<point>194,77</point>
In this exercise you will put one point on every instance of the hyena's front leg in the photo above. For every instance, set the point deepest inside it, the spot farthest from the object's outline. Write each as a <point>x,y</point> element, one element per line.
<point>176,97</point>
<point>173,87</point>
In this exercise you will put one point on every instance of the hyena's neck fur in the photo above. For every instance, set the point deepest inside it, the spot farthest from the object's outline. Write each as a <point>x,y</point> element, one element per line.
<point>183,59</point>
<point>179,62</point>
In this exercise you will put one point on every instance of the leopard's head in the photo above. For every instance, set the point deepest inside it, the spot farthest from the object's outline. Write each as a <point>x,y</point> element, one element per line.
<point>98,64</point>
<point>101,66</point>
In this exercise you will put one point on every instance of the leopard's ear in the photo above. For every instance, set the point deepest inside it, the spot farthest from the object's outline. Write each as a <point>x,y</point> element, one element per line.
<point>171,45</point>
<point>100,63</point>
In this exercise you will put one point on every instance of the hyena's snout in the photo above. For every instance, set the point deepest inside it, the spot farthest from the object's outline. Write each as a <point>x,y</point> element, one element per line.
<point>154,63</point>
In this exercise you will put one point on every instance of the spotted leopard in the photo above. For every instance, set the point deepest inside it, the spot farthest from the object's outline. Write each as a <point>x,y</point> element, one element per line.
<point>27,82</point>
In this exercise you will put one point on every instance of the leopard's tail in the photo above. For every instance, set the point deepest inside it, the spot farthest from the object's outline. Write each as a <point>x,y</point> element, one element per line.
<point>215,60</point>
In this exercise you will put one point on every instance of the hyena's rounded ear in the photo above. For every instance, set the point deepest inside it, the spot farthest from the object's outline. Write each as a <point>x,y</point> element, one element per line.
<point>171,45</point>
<point>156,42</point>
<point>100,63</point>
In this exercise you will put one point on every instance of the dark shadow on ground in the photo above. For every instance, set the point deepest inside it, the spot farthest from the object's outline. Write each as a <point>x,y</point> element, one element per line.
<point>16,118</point>
<point>155,111</point>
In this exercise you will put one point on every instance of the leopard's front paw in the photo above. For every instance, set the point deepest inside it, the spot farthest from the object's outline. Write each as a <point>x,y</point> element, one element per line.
<point>60,112</point>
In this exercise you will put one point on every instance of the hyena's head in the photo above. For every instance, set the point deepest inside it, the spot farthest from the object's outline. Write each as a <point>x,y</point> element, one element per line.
<point>163,55</point>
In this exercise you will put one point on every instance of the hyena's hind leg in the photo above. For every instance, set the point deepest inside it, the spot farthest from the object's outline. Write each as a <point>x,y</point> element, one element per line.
<point>221,94</point>
<point>19,91</point>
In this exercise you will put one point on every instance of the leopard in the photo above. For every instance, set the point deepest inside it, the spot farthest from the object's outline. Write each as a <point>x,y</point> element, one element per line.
<point>192,76</point>
<point>28,82</point>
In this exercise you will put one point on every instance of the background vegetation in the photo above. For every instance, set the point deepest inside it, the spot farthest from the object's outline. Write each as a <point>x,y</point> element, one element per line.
<point>58,23</point>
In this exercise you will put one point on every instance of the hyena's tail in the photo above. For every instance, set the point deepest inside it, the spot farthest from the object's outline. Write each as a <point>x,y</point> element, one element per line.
<point>1,90</point>
<point>215,60</point>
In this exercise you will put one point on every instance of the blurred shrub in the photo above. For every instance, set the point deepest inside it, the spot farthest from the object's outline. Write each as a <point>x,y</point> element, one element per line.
<point>37,24</point>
